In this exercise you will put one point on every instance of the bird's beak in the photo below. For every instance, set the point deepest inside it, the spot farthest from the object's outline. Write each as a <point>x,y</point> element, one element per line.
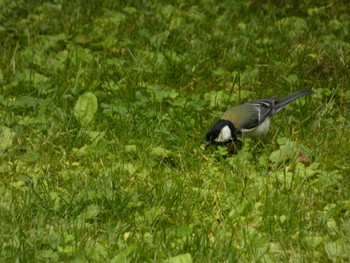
<point>207,144</point>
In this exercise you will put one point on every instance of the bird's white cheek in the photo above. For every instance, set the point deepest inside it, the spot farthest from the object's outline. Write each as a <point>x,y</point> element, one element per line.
<point>225,135</point>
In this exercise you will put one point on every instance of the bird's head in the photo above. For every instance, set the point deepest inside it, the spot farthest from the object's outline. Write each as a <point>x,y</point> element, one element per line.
<point>223,132</point>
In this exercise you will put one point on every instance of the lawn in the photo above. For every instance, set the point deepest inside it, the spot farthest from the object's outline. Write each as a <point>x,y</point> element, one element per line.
<point>104,107</point>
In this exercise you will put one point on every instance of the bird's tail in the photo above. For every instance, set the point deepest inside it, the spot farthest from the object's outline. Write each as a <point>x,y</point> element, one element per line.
<point>290,98</point>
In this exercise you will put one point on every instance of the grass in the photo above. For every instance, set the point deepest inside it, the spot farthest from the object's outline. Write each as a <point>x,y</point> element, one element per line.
<point>104,107</point>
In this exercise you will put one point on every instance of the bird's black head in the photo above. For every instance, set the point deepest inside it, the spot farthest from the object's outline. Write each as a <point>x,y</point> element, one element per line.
<point>223,132</point>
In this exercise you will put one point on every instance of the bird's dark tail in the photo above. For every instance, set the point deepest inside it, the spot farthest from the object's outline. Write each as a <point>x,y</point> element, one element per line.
<point>290,98</point>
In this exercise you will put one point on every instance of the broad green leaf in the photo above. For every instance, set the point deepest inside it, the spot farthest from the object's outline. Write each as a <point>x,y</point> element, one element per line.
<point>337,249</point>
<point>183,258</point>
<point>291,79</point>
<point>161,93</point>
<point>123,257</point>
<point>92,211</point>
<point>48,255</point>
<point>130,168</point>
<point>27,120</point>
<point>130,148</point>
<point>159,151</point>
<point>293,26</point>
<point>115,17</point>
<point>95,136</point>
<point>221,72</point>
<point>37,78</point>
<point>30,157</point>
<point>158,39</point>
<point>168,11</point>
<point>85,108</point>
<point>130,10</point>
<point>288,151</point>
<point>25,102</point>
<point>6,135</point>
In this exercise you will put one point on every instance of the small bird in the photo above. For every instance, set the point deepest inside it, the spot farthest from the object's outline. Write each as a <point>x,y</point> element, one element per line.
<point>251,119</point>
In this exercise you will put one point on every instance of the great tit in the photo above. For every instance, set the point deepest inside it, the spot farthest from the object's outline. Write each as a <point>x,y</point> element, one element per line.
<point>251,119</point>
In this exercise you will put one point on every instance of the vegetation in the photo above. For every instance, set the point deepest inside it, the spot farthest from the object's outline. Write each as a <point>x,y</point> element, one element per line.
<point>104,107</point>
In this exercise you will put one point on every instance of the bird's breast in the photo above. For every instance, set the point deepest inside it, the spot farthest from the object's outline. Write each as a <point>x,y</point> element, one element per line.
<point>257,132</point>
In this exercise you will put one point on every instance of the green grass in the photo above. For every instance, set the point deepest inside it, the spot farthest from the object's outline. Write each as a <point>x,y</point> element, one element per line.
<point>104,107</point>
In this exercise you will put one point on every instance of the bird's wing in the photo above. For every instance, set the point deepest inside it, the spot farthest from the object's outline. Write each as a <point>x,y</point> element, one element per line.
<point>264,108</point>
<point>251,114</point>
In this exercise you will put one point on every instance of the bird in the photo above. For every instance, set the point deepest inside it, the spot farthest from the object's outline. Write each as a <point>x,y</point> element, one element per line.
<point>251,119</point>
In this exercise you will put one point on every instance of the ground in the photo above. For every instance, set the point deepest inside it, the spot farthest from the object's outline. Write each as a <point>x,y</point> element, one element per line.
<point>104,107</point>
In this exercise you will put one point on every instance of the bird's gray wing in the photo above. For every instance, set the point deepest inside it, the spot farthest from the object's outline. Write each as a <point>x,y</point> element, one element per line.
<point>251,114</point>
<point>264,108</point>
